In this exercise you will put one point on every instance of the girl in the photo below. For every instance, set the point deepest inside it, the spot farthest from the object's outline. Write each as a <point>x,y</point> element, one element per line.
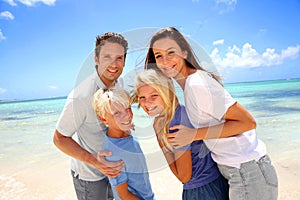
<point>227,128</point>
<point>192,164</point>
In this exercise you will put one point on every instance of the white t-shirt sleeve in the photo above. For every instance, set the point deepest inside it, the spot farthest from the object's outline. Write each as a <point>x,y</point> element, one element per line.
<point>71,118</point>
<point>205,96</point>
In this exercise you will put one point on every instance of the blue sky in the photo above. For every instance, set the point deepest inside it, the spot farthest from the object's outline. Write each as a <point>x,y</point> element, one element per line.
<point>44,43</point>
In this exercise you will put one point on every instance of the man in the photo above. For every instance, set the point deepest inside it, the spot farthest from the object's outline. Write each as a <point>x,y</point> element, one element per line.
<point>88,167</point>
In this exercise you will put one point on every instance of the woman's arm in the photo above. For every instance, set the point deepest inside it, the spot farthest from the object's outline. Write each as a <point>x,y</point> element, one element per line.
<point>237,121</point>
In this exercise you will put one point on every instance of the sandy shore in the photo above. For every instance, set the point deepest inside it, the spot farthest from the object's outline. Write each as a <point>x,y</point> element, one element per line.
<point>54,182</point>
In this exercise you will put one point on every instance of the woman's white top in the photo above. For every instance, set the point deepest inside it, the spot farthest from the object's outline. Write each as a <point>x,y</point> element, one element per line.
<point>206,103</point>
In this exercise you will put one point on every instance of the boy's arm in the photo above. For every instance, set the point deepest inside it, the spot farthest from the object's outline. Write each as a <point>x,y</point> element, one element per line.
<point>124,193</point>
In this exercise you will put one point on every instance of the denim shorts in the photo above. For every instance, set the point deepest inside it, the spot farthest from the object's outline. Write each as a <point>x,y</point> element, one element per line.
<point>215,190</point>
<point>253,180</point>
<point>92,190</point>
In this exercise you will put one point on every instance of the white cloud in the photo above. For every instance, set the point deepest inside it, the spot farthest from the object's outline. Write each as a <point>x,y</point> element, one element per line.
<point>6,15</point>
<point>227,2</point>
<point>52,87</point>
<point>224,6</point>
<point>263,30</point>
<point>217,42</point>
<point>10,2</point>
<point>291,52</point>
<point>2,37</point>
<point>2,90</point>
<point>247,56</point>
<point>31,2</point>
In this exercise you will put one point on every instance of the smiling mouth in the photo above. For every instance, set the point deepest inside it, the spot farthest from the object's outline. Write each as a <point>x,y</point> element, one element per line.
<point>151,108</point>
<point>126,123</point>
<point>112,70</point>
<point>169,68</point>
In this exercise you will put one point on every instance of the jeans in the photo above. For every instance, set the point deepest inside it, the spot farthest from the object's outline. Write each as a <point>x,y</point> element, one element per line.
<point>92,190</point>
<point>254,180</point>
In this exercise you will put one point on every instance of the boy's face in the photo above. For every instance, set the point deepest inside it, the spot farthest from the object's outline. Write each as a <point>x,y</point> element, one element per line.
<point>120,118</point>
<point>110,61</point>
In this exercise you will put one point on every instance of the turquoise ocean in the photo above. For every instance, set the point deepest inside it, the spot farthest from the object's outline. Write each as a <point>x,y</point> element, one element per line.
<point>26,128</point>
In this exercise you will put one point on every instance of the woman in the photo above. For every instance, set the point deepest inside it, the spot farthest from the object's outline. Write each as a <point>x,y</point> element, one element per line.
<point>192,165</point>
<point>226,127</point>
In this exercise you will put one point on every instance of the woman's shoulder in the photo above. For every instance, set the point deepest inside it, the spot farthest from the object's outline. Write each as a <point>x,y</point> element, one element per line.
<point>198,77</point>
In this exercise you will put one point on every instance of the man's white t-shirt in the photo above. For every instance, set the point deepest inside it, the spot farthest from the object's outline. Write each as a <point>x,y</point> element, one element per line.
<point>79,117</point>
<point>206,103</point>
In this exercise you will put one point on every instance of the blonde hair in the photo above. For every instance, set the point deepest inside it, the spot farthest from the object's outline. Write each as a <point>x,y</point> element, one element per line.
<point>165,88</point>
<point>103,98</point>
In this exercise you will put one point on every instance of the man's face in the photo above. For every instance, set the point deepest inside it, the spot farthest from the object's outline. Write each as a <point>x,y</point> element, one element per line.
<point>110,61</point>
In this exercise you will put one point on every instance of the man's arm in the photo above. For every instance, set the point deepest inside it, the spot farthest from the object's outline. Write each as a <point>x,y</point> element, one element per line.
<point>73,149</point>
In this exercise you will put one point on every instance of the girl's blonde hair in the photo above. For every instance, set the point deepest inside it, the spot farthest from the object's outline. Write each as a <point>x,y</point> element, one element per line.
<point>165,88</point>
<point>103,98</point>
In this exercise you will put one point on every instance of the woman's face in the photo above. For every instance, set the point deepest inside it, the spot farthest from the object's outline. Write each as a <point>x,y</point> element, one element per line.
<point>150,100</point>
<point>169,57</point>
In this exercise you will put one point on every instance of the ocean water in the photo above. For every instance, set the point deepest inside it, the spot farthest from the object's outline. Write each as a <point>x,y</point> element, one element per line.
<point>26,127</point>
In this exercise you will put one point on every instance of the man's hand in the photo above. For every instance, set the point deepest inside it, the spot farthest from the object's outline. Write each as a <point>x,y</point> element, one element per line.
<point>110,169</point>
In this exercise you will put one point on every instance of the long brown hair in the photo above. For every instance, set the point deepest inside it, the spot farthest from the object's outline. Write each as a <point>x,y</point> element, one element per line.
<point>172,33</point>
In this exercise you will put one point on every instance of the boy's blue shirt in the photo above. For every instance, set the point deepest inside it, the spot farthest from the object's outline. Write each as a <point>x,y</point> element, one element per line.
<point>135,171</point>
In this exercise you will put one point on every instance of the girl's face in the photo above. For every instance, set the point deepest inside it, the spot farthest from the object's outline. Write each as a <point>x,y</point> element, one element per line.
<point>120,117</point>
<point>169,57</point>
<point>150,100</point>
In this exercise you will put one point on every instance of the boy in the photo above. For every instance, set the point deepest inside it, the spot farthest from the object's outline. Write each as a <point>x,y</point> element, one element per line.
<point>113,108</point>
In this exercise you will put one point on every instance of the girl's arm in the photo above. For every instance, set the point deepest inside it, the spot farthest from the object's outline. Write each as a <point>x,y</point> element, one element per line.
<point>124,193</point>
<point>180,163</point>
<point>237,121</point>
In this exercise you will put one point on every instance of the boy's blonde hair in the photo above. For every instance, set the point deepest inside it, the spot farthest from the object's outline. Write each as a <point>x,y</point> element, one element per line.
<point>165,88</point>
<point>103,98</point>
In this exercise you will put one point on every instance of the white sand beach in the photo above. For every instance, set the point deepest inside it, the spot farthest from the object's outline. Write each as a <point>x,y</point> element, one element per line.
<point>53,182</point>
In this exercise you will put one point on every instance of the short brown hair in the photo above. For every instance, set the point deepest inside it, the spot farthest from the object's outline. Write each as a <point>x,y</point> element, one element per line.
<point>110,37</point>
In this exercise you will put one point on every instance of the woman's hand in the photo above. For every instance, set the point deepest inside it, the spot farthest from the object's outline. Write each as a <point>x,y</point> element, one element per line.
<point>182,137</point>
<point>237,120</point>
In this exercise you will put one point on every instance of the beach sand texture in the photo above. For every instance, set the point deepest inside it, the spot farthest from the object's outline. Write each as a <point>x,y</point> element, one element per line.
<point>52,181</point>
